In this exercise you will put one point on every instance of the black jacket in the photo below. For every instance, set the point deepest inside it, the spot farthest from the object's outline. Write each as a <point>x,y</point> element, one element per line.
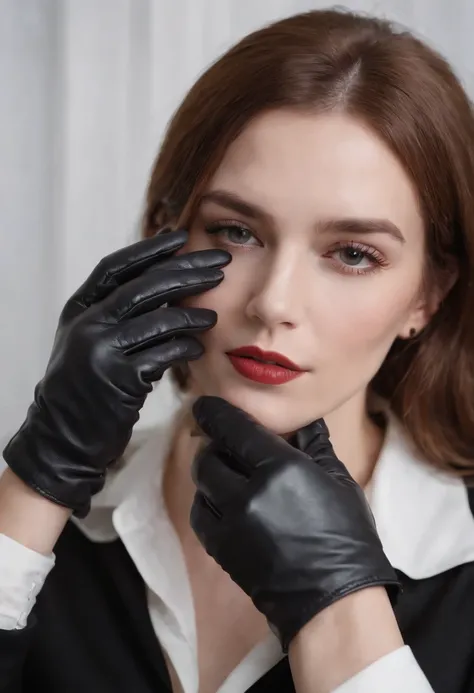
<point>90,630</point>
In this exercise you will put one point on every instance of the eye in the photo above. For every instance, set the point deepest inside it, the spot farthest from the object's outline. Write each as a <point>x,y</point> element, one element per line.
<point>356,258</point>
<point>233,234</point>
<point>353,257</point>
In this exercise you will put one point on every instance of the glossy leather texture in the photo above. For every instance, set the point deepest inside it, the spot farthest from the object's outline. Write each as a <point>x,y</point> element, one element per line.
<point>284,519</point>
<point>116,336</point>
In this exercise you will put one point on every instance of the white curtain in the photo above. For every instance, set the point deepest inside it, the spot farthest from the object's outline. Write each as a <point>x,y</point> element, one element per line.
<point>86,88</point>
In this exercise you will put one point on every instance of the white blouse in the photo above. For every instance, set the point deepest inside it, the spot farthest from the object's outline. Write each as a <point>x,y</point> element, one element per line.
<point>422,515</point>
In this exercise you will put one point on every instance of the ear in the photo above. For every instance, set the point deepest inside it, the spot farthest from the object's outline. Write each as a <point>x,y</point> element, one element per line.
<point>429,301</point>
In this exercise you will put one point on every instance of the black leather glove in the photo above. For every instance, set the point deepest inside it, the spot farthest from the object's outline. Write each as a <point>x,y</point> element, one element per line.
<point>290,526</point>
<point>116,336</point>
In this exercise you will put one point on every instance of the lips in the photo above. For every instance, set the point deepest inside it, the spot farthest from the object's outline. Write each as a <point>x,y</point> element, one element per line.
<point>269,357</point>
<point>266,367</point>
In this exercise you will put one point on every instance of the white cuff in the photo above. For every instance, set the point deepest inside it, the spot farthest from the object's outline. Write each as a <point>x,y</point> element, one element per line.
<point>397,672</point>
<point>22,575</point>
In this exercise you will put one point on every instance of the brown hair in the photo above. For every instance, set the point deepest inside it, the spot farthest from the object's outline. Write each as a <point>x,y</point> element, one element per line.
<point>408,94</point>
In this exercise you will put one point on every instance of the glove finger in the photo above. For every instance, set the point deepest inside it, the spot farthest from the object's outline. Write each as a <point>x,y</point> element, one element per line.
<point>121,266</point>
<point>217,478</point>
<point>313,437</point>
<point>247,442</point>
<point>154,289</point>
<point>160,325</point>
<point>201,259</point>
<point>150,364</point>
<point>313,440</point>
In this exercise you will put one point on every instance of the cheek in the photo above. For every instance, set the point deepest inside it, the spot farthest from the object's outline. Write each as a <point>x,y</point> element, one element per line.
<point>365,318</point>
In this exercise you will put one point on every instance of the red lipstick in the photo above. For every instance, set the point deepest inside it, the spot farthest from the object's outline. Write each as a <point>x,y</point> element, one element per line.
<point>266,367</point>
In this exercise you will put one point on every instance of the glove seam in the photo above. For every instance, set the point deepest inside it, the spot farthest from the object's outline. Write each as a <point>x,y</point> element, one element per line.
<point>328,598</point>
<point>48,495</point>
<point>376,580</point>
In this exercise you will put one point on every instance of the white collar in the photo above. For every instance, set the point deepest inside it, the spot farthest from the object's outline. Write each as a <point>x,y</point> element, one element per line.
<point>422,514</point>
<point>131,507</point>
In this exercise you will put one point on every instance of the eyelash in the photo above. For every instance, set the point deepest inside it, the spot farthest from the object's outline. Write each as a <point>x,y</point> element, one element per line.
<point>221,227</point>
<point>372,254</point>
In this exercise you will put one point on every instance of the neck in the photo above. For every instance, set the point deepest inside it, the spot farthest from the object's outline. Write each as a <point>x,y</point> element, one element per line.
<point>356,438</point>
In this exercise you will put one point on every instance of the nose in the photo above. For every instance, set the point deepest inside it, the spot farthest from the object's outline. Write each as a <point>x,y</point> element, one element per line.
<point>279,294</point>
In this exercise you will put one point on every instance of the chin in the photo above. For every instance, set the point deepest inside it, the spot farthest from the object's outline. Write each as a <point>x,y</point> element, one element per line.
<point>270,407</point>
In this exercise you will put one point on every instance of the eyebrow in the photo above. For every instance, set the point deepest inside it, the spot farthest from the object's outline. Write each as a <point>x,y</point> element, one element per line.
<point>355,225</point>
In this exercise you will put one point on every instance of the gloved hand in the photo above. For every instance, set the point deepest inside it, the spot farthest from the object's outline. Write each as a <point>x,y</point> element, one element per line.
<point>116,336</point>
<point>290,526</point>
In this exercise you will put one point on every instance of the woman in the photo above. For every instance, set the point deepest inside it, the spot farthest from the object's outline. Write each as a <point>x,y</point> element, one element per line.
<point>323,169</point>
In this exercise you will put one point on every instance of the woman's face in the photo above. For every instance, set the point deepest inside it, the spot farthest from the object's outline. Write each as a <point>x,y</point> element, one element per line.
<point>328,244</point>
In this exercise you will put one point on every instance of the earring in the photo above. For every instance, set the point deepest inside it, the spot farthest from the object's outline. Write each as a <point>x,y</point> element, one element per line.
<point>412,332</point>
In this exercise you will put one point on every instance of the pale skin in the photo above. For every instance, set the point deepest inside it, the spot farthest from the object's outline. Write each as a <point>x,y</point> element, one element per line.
<point>301,179</point>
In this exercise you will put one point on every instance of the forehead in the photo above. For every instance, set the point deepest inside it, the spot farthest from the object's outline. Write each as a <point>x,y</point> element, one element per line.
<point>318,164</point>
